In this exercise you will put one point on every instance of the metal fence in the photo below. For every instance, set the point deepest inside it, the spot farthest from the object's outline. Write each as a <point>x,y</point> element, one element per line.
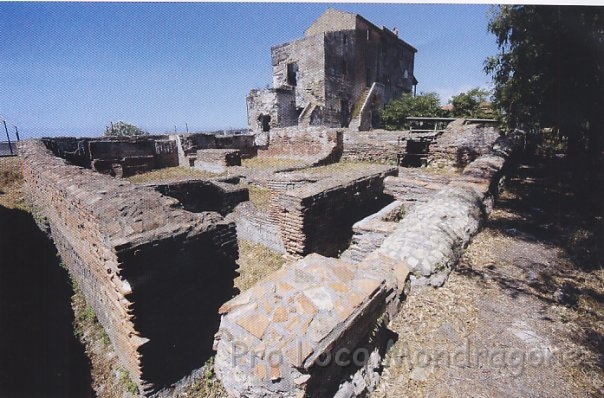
<point>9,147</point>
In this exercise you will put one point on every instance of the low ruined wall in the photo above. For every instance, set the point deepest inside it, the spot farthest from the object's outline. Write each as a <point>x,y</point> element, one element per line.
<point>202,195</point>
<point>289,334</point>
<point>293,333</point>
<point>191,143</point>
<point>319,144</point>
<point>154,274</point>
<point>121,156</point>
<point>413,186</point>
<point>460,144</point>
<point>431,238</point>
<point>378,146</point>
<point>257,226</point>
<point>317,217</point>
<point>217,160</point>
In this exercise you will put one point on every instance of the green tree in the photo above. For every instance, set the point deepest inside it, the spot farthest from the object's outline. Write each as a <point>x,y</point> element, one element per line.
<point>550,72</point>
<point>395,113</point>
<point>471,104</point>
<point>123,129</point>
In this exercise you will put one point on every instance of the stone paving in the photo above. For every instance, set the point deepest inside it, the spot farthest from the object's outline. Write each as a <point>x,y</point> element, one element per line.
<point>274,337</point>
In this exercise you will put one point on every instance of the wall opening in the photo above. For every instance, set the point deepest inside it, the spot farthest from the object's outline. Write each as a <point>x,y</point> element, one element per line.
<point>265,122</point>
<point>292,74</point>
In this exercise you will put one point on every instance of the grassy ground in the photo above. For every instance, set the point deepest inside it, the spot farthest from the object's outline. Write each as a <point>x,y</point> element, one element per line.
<point>255,262</point>
<point>11,187</point>
<point>270,163</point>
<point>171,174</point>
<point>259,196</point>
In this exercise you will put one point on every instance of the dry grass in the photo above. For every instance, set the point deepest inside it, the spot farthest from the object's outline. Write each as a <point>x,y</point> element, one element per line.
<point>335,169</point>
<point>11,184</point>
<point>255,262</point>
<point>171,174</point>
<point>271,163</point>
<point>259,196</point>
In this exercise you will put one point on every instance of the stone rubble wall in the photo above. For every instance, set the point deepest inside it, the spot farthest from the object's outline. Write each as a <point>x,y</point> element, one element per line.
<point>460,144</point>
<point>313,217</point>
<point>153,273</point>
<point>431,238</point>
<point>204,195</point>
<point>217,160</point>
<point>122,156</point>
<point>370,232</point>
<point>413,186</point>
<point>313,145</point>
<point>377,146</point>
<point>288,335</point>
<point>191,143</point>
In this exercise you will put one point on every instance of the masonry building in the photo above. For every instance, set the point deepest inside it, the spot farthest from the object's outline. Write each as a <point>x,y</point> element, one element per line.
<point>337,75</point>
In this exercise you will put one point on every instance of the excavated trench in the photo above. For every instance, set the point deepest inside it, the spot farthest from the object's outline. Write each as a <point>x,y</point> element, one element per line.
<point>39,354</point>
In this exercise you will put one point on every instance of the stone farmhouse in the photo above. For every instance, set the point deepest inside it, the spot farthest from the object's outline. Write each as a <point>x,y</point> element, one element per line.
<point>337,75</point>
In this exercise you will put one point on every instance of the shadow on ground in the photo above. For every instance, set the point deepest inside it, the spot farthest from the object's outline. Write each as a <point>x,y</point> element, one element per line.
<point>556,254</point>
<point>39,355</point>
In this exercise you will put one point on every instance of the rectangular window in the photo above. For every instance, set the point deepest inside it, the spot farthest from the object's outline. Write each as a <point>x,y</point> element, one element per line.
<point>292,70</point>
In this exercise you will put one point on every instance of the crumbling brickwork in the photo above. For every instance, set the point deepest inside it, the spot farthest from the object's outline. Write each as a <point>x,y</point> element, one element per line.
<point>153,273</point>
<point>316,217</point>
<point>460,144</point>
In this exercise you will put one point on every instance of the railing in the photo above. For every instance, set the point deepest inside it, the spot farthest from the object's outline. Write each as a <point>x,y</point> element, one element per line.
<point>9,147</point>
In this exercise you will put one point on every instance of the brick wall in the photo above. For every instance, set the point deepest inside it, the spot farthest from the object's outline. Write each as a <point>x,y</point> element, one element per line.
<point>378,146</point>
<point>317,217</point>
<point>154,274</point>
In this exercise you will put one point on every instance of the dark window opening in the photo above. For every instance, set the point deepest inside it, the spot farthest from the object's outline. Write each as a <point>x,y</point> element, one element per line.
<point>344,68</point>
<point>368,77</point>
<point>265,121</point>
<point>344,39</point>
<point>292,70</point>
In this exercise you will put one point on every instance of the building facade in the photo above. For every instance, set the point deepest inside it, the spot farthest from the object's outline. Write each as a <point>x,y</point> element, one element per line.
<point>337,75</point>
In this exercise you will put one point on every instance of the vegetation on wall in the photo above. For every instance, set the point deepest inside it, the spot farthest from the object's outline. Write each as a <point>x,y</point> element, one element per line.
<point>395,113</point>
<point>472,104</point>
<point>123,129</point>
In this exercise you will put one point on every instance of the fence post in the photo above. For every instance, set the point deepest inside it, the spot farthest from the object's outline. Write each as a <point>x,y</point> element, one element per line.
<point>10,147</point>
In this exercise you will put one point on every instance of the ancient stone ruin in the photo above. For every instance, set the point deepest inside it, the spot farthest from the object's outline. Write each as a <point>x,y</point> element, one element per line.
<point>338,75</point>
<point>156,259</point>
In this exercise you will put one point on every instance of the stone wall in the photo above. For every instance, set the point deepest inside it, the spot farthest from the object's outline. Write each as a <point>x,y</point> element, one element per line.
<point>377,146</point>
<point>243,142</point>
<point>317,217</point>
<point>295,332</point>
<point>154,274</point>
<point>430,239</point>
<point>460,144</point>
<point>290,334</point>
<point>217,160</point>
<point>314,145</point>
<point>118,156</point>
<point>204,195</point>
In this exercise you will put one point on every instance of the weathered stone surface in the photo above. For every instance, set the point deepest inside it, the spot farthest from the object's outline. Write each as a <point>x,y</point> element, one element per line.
<point>312,211</point>
<point>460,144</point>
<point>431,237</point>
<point>153,273</point>
<point>323,321</point>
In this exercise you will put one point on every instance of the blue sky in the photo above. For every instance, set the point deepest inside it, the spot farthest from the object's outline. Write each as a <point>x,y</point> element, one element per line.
<point>70,68</point>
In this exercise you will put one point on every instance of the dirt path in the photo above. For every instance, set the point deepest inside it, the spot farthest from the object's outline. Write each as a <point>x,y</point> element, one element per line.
<point>523,313</point>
